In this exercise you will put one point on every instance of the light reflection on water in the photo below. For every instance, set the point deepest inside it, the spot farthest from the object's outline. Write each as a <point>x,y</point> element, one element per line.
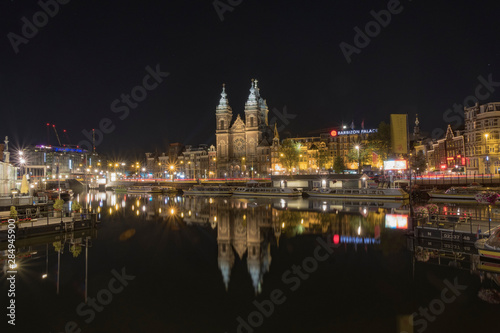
<point>246,232</point>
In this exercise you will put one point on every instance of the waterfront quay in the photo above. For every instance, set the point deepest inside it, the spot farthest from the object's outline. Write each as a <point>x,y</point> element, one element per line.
<point>30,227</point>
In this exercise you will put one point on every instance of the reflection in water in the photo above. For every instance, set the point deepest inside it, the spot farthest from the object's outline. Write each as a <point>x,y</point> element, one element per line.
<point>464,257</point>
<point>244,233</point>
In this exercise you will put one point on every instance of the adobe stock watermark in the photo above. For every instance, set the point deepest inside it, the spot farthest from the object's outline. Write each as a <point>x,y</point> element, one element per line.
<point>123,105</point>
<point>292,278</point>
<point>40,19</point>
<point>282,117</point>
<point>372,29</point>
<point>103,297</point>
<point>455,115</point>
<point>222,6</point>
<point>437,306</point>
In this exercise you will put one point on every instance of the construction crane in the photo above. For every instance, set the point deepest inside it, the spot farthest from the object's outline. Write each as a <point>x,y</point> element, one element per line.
<point>57,135</point>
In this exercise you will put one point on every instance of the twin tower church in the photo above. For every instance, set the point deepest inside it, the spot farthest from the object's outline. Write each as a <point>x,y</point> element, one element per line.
<point>243,145</point>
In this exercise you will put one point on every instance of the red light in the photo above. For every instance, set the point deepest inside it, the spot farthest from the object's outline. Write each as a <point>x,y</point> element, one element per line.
<point>48,124</point>
<point>333,133</point>
<point>463,160</point>
<point>443,166</point>
<point>64,131</point>
<point>53,125</point>
<point>336,239</point>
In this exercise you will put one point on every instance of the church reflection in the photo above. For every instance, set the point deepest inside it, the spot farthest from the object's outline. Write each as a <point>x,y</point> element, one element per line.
<point>246,229</point>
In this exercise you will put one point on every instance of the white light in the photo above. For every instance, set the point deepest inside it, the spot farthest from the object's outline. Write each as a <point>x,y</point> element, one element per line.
<point>44,276</point>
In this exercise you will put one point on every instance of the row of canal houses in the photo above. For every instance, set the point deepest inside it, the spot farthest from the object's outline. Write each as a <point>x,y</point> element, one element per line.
<point>473,150</point>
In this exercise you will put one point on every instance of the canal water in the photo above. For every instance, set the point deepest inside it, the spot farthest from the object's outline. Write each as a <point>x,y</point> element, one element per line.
<point>226,264</point>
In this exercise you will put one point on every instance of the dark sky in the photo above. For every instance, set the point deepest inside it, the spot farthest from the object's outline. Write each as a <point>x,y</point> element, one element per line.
<point>426,59</point>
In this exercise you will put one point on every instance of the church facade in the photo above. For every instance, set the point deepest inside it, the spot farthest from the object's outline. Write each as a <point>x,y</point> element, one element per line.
<point>243,145</point>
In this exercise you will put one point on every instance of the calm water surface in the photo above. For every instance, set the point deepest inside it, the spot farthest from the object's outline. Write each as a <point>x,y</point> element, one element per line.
<point>177,264</point>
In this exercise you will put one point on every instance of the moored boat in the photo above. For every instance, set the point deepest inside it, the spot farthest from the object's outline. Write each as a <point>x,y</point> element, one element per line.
<point>120,190</point>
<point>168,189</point>
<point>256,191</point>
<point>143,189</point>
<point>490,247</point>
<point>457,193</point>
<point>360,193</point>
<point>209,190</point>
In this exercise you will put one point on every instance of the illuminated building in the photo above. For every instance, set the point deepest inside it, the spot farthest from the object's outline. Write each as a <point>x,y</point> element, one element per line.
<point>67,161</point>
<point>482,138</point>
<point>318,153</point>
<point>447,154</point>
<point>243,146</point>
<point>196,162</point>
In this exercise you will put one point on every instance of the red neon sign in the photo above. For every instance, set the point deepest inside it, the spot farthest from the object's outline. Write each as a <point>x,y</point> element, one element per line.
<point>333,133</point>
<point>443,166</point>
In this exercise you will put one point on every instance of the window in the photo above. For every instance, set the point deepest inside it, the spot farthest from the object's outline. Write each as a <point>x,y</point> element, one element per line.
<point>222,124</point>
<point>251,121</point>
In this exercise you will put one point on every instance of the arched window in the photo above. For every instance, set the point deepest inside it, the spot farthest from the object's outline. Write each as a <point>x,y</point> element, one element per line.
<point>221,124</point>
<point>251,121</point>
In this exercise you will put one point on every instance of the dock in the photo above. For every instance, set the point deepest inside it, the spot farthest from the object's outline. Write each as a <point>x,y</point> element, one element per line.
<point>50,225</point>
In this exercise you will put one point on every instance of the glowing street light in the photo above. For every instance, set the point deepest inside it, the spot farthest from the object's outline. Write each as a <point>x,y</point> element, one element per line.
<point>357,148</point>
<point>486,152</point>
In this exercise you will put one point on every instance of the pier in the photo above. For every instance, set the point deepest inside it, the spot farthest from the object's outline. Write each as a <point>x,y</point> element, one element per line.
<point>49,224</point>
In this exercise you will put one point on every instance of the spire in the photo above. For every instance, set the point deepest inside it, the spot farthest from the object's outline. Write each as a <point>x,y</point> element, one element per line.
<point>257,89</point>
<point>416,129</point>
<point>223,102</point>
<point>252,98</point>
<point>276,134</point>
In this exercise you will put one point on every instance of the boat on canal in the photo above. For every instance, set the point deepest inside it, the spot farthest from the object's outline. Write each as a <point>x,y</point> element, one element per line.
<point>143,189</point>
<point>254,189</point>
<point>360,193</point>
<point>490,247</point>
<point>209,190</point>
<point>168,190</point>
<point>457,193</point>
<point>120,190</point>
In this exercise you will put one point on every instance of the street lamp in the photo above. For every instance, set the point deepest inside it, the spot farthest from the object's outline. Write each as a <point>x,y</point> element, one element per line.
<point>243,169</point>
<point>357,148</point>
<point>486,152</point>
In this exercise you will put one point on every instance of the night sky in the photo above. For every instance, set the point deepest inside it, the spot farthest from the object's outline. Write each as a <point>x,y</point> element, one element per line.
<point>428,57</point>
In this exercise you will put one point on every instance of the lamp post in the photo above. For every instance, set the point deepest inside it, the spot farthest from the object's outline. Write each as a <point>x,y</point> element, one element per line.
<point>172,172</point>
<point>486,152</point>
<point>243,169</point>
<point>357,148</point>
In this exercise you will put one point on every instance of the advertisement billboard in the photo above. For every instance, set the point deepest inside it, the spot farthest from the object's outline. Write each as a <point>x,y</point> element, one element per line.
<point>395,165</point>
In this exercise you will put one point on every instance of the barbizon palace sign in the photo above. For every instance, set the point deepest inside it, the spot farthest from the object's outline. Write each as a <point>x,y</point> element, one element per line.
<point>360,131</point>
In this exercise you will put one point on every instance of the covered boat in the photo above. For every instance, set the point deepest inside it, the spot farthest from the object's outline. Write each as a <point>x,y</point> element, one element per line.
<point>490,247</point>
